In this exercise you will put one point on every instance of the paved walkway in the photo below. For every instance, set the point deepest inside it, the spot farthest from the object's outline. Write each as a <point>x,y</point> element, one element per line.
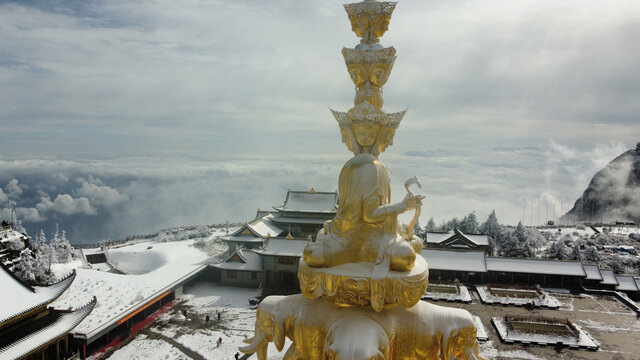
<point>190,353</point>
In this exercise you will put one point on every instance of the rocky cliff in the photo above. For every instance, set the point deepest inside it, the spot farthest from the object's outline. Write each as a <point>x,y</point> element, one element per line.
<point>613,193</point>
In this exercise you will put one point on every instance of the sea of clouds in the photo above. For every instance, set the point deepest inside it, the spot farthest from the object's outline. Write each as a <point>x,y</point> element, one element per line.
<point>109,198</point>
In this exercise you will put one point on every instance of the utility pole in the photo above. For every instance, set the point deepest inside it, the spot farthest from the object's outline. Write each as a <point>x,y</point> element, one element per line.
<point>538,211</point>
<point>524,203</point>
<point>531,217</point>
<point>546,218</point>
<point>12,218</point>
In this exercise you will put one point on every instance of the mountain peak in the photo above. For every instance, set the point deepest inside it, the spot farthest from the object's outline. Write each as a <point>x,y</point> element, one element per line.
<point>613,193</point>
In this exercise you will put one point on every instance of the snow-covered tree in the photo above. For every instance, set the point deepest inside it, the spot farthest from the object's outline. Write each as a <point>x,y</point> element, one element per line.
<point>534,237</point>
<point>513,246</point>
<point>469,224</point>
<point>491,249</point>
<point>31,269</point>
<point>62,252</point>
<point>491,227</point>
<point>431,225</point>
<point>519,232</point>
<point>576,254</point>
<point>591,254</point>
<point>15,244</point>
<point>452,224</point>
<point>560,248</point>
<point>40,240</point>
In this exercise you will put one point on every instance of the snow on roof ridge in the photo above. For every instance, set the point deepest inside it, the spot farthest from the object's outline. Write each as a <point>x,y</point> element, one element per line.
<point>50,292</point>
<point>68,320</point>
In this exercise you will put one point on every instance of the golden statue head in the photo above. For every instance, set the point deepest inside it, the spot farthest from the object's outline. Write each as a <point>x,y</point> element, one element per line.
<point>370,19</point>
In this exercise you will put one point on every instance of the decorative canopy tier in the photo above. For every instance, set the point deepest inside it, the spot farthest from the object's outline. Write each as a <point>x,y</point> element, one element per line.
<point>370,19</point>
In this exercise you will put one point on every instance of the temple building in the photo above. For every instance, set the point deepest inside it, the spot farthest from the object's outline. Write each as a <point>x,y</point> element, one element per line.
<point>29,327</point>
<point>266,251</point>
<point>456,239</point>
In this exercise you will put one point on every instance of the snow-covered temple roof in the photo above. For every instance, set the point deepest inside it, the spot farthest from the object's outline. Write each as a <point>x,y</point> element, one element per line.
<point>261,227</point>
<point>283,247</point>
<point>454,260</point>
<point>438,237</point>
<point>608,277</point>
<point>310,201</point>
<point>297,220</point>
<point>547,267</point>
<point>120,295</point>
<point>241,260</point>
<point>592,271</point>
<point>39,332</point>
<point>626,283</point>
<point>456,238</point>
<point>24,298</point>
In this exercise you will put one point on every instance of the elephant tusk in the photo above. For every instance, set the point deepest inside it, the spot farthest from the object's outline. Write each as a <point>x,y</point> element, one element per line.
<point>255,343</point>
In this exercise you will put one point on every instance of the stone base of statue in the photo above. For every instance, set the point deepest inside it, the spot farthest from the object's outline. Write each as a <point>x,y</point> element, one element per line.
<point>351,284</point>
<point>319,330</point>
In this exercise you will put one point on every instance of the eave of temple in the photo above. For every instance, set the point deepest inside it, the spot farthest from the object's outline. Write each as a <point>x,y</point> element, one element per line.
<point>26,300</point>
<point>36,333</point>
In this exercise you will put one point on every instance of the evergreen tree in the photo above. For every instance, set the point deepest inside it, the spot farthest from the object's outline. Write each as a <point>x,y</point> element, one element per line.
<point>61,250</point>
<point>470,224</point>
<point>575,252</point>
<point>514,246</point>
<point>31,269</point>
<point>491,227</point>
<point>519,232</point>
<point>40,240</point>
<point>452,224</point>
<point>431,225</point>
<point>591,254</point>
<point>559,249</point>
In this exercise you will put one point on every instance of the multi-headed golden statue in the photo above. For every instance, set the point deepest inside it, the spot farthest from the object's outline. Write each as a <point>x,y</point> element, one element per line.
<point>362,279</point>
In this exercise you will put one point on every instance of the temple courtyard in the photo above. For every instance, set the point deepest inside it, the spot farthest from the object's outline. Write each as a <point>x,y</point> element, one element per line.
<point>183,332</point>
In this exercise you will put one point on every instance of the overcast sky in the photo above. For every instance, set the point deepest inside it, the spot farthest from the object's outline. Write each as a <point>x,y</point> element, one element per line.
<point>121,117</point>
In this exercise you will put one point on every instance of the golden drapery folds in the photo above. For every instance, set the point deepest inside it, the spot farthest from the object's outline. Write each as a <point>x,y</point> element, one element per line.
<point>348,285</point>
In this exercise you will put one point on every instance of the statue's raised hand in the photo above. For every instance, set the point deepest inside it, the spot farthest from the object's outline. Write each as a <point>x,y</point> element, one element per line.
<point>412,201</point>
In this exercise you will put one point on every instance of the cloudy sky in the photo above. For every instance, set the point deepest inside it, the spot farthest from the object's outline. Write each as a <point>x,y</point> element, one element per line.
<point>123,117</point>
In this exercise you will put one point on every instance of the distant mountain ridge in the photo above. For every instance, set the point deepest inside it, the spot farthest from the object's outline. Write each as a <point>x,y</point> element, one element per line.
<point>613,193</point>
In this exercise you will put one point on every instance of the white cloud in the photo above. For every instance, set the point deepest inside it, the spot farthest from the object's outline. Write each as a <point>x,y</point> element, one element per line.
<point>29,215</point>
<point>13,189</point>
<point>100,194</point>
<point>67,205</point>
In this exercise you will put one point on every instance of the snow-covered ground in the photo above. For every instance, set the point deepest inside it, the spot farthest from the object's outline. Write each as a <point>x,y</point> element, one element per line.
<point>117,294</point>
<point>194,334</point>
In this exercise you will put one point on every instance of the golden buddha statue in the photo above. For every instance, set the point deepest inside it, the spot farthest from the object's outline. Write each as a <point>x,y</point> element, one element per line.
<point>361,281</point>
<point>365,227</point>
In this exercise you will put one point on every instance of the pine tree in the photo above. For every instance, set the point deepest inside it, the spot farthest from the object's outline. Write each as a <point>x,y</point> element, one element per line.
<point>431,225</point>
<point>469,224</point>
<point>559,249</point>
<point>40,240</point>
<point>591,254</point>
<point>491,227</point>
<point>575,252</point>
<point>519,232</point>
